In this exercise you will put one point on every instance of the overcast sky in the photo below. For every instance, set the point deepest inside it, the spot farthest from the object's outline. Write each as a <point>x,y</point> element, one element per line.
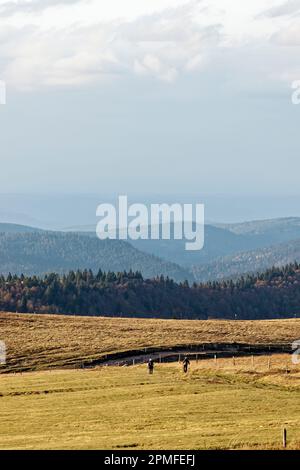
<point>164,96</point>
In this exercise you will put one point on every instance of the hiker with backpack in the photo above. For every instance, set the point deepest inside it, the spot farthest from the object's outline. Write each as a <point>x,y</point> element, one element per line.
<point>186,364</point>
<point>150,366</point>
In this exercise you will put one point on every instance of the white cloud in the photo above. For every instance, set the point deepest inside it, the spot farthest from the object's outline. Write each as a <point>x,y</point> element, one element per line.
<point>82,41</point>
<point>289,7</point>
<point>289,35</point>
<point>153,66</point>
<point>10,8</point>
<point>160,45</point>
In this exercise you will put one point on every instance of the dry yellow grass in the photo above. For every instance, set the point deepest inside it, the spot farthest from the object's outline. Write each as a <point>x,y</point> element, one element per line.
<point>43,341</point>
<point>223,406</point>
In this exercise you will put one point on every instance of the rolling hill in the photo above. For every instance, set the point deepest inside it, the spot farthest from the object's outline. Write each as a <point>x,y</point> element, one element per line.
<point>43,252</point>
<point>269,230</point>
<point>252,261</point>
<point>229,251</point>
<point>16,228</point>
<point>225,240</point>
<point>36,342</point>
<point>217,242</point>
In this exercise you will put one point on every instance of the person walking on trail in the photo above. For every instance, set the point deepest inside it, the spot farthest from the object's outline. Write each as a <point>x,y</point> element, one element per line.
<point>150,366</point>
<point>186,364</point>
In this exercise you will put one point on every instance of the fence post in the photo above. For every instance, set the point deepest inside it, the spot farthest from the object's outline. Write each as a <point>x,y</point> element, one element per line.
<point>284,436</point>
<point>233,360</point>
<point>215,360</point>
<point>252,360</point>
<point>196,358</point>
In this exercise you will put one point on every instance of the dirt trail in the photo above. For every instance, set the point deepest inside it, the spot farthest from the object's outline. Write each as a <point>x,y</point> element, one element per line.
<point>196,352</point>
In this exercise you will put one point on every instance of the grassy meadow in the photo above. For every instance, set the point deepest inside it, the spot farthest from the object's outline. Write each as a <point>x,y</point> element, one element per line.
<point>48,402</point>
<point>228,405</point>
<point>39,342</point>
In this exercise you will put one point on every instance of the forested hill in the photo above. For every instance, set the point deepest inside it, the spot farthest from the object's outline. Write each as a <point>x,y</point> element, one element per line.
<point>45,252</point>
<point>273,294</point>
<point>234,266</point>
<point>16,228</point>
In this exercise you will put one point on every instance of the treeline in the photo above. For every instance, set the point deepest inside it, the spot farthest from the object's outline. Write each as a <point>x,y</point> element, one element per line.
<point>272,294</point>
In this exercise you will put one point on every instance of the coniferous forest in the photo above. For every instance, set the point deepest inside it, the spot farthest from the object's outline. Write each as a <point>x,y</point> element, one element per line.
<point>272,294</point>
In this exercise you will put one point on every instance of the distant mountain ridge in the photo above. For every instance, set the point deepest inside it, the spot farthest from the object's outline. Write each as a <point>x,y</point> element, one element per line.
<point>17,228</point>
<point>284,224</point>
<point>278,243</point>
<point>248,262</point>
<point>218,241</point>
<point>230,250</point>
<point>41,252</point>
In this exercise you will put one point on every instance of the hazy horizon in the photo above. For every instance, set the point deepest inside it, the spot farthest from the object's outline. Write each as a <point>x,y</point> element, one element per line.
<point>160,97</point>
<point>59,211</point>
<point>156,99</point>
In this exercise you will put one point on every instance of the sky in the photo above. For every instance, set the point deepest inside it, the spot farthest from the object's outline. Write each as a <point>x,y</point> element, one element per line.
<point>151,97</point>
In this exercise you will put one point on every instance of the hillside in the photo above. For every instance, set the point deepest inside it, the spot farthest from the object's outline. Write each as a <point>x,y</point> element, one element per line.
<point>217,242</point>
<point>226,240</point>
<point>43,341</point>
<point>229,251</point>
<point>16,228</point>
<point>44,252</point>
<point>272,294</point>
<point>273,230</point>
<point>220,240</point>
<point>248,262</point>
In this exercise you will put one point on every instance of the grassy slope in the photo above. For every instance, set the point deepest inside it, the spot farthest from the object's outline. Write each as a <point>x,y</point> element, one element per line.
<point>116,408</point>
<point>43,341</point>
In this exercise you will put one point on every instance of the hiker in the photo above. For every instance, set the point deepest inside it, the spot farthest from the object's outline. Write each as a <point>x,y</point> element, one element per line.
<point>150,366</point>
<point>186,364</point>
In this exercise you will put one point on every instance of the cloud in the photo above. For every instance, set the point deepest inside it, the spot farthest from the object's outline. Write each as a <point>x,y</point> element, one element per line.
<point>289,36</point>
<point>163,45</point>
<point>289,7</point>
<point>38,59</point>
<point>160,46</point>
<point>153,66</point>
<point>288,32</point>
<point>31,6</point>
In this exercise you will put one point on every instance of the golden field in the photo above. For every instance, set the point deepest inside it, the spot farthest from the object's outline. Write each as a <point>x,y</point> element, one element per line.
<point>228,405</point>
<point>38,342</point>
